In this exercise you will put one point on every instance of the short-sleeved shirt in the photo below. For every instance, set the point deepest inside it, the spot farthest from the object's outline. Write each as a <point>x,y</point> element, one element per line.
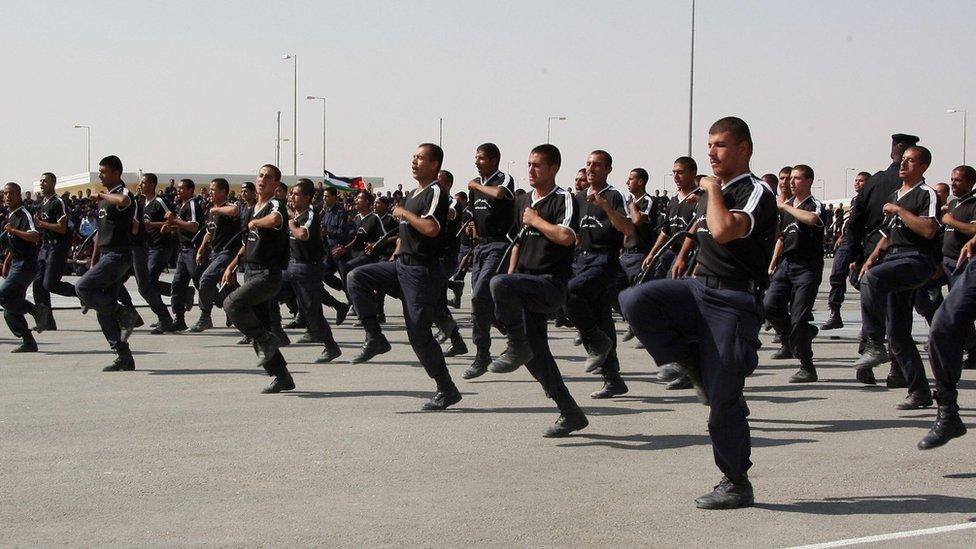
<point>920,200</point>
<point>745,258</point>
<point>450,239</point>
<point>191,212</point>
<point>962,209</point>
<point>22,220</point>
<point>537,254</point>
<point>225,230</point>
<point>115,224</point>
<point>155,211</point>
<point>381,227</point>
<point>801,241</point>
<point>429,202</point>
<point>596,231</point>
<point>140,238</point>
<point>53,210</point>
<point>494,218</point>
<point>268,247</point>
<point>680,213</point>
<point>307,251</point>
<point>644,233</point>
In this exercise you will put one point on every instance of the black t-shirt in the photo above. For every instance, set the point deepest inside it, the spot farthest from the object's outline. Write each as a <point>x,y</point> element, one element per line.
<point>155,211</point>
<point>431,203</point>
<point>311,250</point>
<point>745,258</point>
<point>225,231</point>
<point>192,212</point>
<point>922,201</point>
<point>378,227</point>
<point>21,220</point>
<point>644,234</point>
<point>268,247</point>
<point>680,214</point>
<point>140,238</point>
<point>537,254</point>
<point>494,218</point>
<point>115,224</point>
<point>596,232</point>
<point>53,210</point>
<point>964,210</point>
<point>802,241</point>
<point>450,239</point>
<point>358,238</point>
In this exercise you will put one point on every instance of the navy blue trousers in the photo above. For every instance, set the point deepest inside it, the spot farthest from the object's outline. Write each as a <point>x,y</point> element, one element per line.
<point>186,272</point>
<point>249,308</point>
<point>51,262</point>
<point>789,304</point>
<point>592,292</point>
<point>210,278</point>
<point>414,283</point>
<point>683,319</point>
<point>484,264</point>
<point>303,282</point>
<point>99,290</point>
<point>887,297</point>
<point>952,324</point>
<point>839,272</point>
<point>13,295</point>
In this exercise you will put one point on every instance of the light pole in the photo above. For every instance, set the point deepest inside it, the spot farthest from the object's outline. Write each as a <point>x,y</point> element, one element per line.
<point>87,158</point>
<point>846,173</point>
<point>324,142</point>
<point>964,117</point>
<point>691,78</point>
<point>440,132</point>
<point>294,137</point>
<point>549,127</point>
<point>278,142</point>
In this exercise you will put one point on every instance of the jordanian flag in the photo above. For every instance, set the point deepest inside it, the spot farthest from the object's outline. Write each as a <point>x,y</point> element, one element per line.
<point>343,183</point>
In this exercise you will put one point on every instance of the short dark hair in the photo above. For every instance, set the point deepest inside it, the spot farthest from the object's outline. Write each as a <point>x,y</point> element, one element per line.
<point>332,191</point>
<point>770,179</point>
<point>222,184</point>
<point>461,193</point>
<point>189,183</point>
<point>641,174</point>
<point>368,196</point>
<point>51,175</point>
<point>865,174</point>
<point>16,187</point>
<point>151,177</point>
<point>807,170</point>
<point>449,175</point>
<point>734,125</point>
<point>968,173</point>
<point>925,153</point>
<point>606,156</point>
<point>111,162</point>
<point>436,152</point>
<point>490,150</point>
<point>550,153</point>
<point>274,170</point>
<point>282,186</point>
<point>785,169</point>
<point>305,187</point>
<point>687,162</point>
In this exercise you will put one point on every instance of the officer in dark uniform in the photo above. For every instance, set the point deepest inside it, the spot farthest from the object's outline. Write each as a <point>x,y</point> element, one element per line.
<point>709,324</point>
<point>52,221</point>
<point>336,231</point>
<point>303,279</point>
<point>378,236</point>
<point>187,223</point>
<point>444,267</point>
<point>492,196</point>
<point>159,249</point>
<point>642,210</point>
<point>535,284</point>
<point>265,256</point>
<point>793,289</point>
<point>841,268</point>
<point>19,269</point>
<point>952,326</point>
<point>99,287</point>
<point>603,227</point>
<point>421,219</point>
<point>466,244</point>
<point>679,214</point>
<point>909,245</point>
<point>220,243</point>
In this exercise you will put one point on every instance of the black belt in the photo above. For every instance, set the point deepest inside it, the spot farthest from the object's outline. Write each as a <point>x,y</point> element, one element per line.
<point>606,251</point>
<point>635,250</point>
<point>892,250</point>
<point>722,283</point>
<point>411,260</point>
<point>492,239</point>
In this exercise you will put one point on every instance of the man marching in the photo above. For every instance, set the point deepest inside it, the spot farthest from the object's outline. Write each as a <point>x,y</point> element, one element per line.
<point>19,269</point>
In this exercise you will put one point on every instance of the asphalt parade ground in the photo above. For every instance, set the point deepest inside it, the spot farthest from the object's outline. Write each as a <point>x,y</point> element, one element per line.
<point>185,451</point>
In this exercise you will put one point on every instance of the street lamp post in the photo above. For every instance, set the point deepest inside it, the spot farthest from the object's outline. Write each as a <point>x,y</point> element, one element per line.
<point>964,117</point>
<point>87,158</point>
<point>549,127</point>
<point>294,137</point>
<point>691,78</point>
<point>324,142</point>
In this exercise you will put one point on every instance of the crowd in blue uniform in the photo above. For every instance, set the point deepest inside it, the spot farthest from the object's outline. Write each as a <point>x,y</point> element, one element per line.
<point>694,276</point>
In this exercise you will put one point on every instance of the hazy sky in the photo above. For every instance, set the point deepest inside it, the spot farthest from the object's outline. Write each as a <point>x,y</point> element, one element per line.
<point>194,86</point>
